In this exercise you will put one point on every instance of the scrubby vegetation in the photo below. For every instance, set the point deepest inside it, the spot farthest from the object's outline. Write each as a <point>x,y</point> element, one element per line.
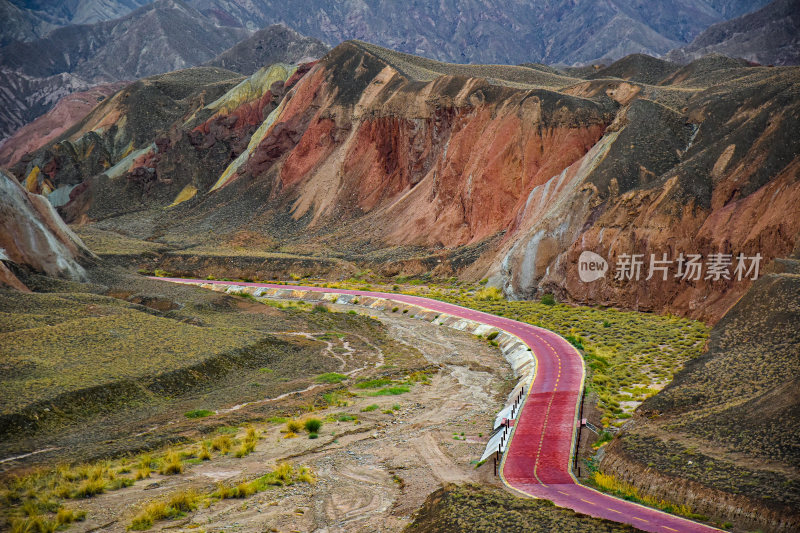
<point>68,339</point>
<point>629,355</point>
<point>680,461</point>
<point>610,484</point>
<point>183,502</point>
<point>331,377</point>
<point>484,509</point>
<point>313,425</point>
<point>198,413</point>
<point>177,505</point>
<point>34,502</point>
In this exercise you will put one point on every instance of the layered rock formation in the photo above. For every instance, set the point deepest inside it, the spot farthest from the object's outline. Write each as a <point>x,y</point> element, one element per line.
<point>54,123</point>
<point>160,37</point>
<point>34,238</point>
<point>408,165</point>
<point>119,132</point>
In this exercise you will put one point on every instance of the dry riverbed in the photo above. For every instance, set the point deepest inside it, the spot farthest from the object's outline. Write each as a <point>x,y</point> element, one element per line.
<point>374,466</point>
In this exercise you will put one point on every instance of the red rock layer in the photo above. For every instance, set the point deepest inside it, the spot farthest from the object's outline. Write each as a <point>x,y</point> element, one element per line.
<point>54,123</point>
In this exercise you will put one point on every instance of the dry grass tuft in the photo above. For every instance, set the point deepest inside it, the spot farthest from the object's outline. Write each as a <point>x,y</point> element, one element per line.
<point>171,464</point>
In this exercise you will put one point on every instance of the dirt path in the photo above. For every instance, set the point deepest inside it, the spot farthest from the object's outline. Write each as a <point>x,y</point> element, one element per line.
<point>371,476</point>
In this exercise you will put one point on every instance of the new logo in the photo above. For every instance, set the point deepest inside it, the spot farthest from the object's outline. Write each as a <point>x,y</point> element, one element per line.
<point>591,266</point>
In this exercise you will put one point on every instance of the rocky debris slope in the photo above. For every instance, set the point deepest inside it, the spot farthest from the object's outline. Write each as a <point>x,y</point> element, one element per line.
<point>407,165</point>
<point>722,437</point>
<point>769,36</point>
<point>34,238</point>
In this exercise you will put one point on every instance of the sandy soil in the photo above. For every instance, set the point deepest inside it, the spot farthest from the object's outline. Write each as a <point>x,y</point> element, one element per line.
<point>372,475</point>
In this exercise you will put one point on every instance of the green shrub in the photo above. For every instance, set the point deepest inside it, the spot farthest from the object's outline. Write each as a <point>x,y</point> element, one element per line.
<point>548,299</point>
<point>391,391</point>
<point>313,425</point>
<point>198,413</point>
<point>373,383</point>
<point>331,377</point>
<point>369,408</point>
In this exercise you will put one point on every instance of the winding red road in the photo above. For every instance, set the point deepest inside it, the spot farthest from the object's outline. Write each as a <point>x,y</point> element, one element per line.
<point>537,461</point>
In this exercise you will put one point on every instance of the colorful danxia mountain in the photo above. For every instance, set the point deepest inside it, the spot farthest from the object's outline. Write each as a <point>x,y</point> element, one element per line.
<point>265,280</point>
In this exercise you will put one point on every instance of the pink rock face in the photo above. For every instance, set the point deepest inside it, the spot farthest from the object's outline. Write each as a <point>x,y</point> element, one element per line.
<point>67,112</point>
<point>438,164</point>
<point>34,236</point>
<point>456,161</point>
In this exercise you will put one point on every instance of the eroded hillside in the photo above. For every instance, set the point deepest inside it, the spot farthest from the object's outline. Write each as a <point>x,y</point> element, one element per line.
<point>722,437</point>
<point>409,166</point>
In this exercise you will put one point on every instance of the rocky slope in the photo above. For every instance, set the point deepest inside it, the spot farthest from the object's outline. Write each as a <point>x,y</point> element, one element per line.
<point>27,20</point>
<point>24,97</point>
<point>160,37</point>
<point>469,31</point>
<point>20,24</point>
<point>407,165</point>
<point>34,238</point>
<point>273,44</point>
<point>170,34</point>
<point>722,437</point>
<point>69,110</point>
<point>78,11</point>
<point>769,36</point>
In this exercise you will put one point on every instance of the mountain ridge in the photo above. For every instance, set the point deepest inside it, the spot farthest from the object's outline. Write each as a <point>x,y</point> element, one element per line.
<point>405,164</point>
<point>766,36</point>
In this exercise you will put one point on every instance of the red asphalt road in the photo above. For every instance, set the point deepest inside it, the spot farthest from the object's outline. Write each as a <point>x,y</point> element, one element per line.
<point>537,461</point>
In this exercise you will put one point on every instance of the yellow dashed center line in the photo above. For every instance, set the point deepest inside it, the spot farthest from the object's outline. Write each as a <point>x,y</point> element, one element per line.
<point>587,501</point>
<point>547,416</point>
<point>564,493</point>
<point>637,518</point>
<point>614,511</point>
<point>667,527</point>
